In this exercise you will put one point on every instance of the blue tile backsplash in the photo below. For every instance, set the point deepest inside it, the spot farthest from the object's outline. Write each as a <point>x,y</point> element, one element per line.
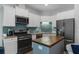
<point>5,29</point>
<point>20,26</point>
<point>46,26</point>
<point>32,29</point>
<point>43,27</point>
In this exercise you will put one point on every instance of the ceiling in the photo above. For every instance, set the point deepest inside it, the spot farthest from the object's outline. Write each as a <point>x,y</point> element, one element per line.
<point>51,8</point>
<point>42,7</point>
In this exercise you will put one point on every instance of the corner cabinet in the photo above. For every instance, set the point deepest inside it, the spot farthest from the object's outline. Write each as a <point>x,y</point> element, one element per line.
<point>34,20</point>
<point>21,12</point>
<point>8,16</point>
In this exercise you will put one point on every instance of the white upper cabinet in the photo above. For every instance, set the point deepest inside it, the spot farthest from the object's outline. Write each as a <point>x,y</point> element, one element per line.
<point>34,20</point>
<point>21,12</point>
<point>8,16</point>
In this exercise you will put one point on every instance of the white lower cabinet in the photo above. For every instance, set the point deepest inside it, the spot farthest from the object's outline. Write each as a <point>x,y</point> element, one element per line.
<point>10,45</point>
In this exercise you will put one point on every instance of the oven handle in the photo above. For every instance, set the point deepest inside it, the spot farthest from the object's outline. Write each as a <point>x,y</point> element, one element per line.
<point>24,39</point>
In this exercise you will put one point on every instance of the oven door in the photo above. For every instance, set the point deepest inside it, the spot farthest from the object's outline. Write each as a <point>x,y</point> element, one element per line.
<point>24,43</point>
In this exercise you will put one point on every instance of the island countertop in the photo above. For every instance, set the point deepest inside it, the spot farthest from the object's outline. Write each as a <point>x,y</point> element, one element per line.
<point>48,41</point>
<point>42,33</point>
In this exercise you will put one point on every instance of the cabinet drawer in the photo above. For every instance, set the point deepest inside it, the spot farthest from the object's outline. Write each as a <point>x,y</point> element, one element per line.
<point>10,45</point>
<point>10,52</point>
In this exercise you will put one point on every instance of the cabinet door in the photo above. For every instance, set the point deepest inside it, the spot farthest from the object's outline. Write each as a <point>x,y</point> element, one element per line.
<point>10,46</point>
<point>31,20</point>
<point>37,20</point>
<point>34,37</point>
<point>34,20</point>
<point>38,36</point>
<point>8,16</point>
<point>21,12</point>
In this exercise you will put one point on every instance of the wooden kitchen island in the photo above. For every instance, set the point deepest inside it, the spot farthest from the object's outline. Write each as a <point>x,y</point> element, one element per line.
<point>48,45</point>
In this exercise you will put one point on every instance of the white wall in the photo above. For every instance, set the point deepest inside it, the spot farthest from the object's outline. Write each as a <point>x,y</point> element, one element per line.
<point>49,19</point>
<point>65,15</point>
<point>46,18</point>
<point>1,26</point>
<point>58,16</point>
<point>77,23</point>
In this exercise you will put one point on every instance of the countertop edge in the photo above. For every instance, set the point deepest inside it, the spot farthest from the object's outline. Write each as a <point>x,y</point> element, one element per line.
<point>47,45</point>
<point>9,37</point>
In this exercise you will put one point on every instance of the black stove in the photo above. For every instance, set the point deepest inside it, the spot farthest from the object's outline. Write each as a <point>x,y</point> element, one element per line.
<point>24,42</point>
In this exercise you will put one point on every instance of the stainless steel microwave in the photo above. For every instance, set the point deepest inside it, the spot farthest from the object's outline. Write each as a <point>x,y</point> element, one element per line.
<point>22,20</point>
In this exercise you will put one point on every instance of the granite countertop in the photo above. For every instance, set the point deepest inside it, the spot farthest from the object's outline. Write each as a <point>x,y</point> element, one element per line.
<point>2,38</point>
<point>48,41</point>
<point>9,37</point>
<point>43,33</point>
